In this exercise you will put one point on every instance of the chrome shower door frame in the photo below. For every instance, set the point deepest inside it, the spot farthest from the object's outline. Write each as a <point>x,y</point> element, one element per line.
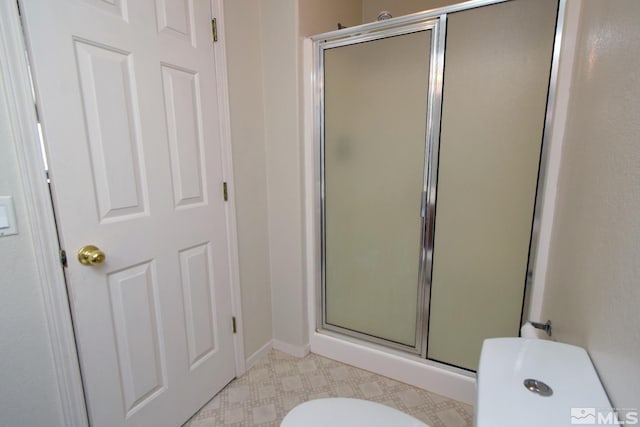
<point>385,29</point>
<point>361,34</point>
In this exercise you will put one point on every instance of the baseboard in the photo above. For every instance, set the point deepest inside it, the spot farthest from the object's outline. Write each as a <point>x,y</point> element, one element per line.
<point>294,350</point>
<point>259,354</point>
<point>418,373</point>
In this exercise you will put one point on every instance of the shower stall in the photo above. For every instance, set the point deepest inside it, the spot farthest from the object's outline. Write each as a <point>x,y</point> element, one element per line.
<point>430,133</point>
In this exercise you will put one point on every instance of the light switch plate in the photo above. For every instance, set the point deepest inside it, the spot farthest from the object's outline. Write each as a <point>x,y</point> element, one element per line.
<point>8,225</point>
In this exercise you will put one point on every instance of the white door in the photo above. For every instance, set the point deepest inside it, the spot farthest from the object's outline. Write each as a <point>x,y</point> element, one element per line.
<point>127,96</point>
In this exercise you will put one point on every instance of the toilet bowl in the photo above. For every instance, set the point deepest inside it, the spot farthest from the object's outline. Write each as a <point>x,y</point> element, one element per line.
<point>343,412</point>
<point>521,382</point>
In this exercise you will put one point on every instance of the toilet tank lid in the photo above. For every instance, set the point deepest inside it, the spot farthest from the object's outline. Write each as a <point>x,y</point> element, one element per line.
<point>503,399</point>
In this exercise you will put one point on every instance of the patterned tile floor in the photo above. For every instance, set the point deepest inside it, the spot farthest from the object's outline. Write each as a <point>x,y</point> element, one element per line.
<point>279,382</point>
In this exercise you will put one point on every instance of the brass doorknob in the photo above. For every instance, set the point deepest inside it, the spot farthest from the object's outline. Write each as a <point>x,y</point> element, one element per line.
<point>90,255</point>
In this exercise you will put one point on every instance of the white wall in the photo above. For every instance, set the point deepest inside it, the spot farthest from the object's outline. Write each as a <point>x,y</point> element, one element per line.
<point>593,289</point>
<point>28,387</point>
<point>246,99</point>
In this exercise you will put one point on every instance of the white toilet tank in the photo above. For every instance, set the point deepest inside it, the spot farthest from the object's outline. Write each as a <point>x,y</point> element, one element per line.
<point>562,387</point>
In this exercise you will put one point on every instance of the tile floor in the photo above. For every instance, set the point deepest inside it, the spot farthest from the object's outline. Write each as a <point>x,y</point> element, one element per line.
<point>279,382</point>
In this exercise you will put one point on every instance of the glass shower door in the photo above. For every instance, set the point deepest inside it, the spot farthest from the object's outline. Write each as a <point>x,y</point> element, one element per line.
<point>429,177</point>
<point>496,82</point>
<point>376,96</point>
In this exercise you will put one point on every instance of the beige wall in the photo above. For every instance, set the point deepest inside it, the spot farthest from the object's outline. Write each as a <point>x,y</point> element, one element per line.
<point>284,172</point>
<point>244,62</point>
<point>321,16</point>
<point>593,288</point>
<point>28,387</point>
<point>282,25</point>
<point>264,59</point>
<point>591,294</point>
<point>371,8</point>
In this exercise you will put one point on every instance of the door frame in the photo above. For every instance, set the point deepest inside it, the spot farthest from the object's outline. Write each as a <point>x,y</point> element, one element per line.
<point>15,77</point>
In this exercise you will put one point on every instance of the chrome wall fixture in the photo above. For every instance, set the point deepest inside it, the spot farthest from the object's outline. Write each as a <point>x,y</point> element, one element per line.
<point>384,15</point>
<point>435,21</point>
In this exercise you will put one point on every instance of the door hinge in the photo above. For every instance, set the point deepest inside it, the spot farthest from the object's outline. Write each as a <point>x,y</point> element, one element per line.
<point>63,257</point>
<point>214,29</point>
<point>233,324</point>
<point>225,192</point>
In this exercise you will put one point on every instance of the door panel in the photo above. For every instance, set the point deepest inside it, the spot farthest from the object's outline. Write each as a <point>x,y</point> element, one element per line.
<point>134,309</point>
<point>111,118</point>
<point>497,66</point>
<point>376,95</point>
<point>184,123</point>
<point>175,17</point>
<point>117,7</point>
<point>128,103</point>
<point>199,306</point>
<point>492,76</point>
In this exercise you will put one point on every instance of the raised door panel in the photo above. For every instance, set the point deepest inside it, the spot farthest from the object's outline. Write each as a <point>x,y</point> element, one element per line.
<point>113,130</point>
<point>196,265</point>
<point>184,127</point>
<point>134,307</point>
<point>175,17</point>
<point>117,7</point>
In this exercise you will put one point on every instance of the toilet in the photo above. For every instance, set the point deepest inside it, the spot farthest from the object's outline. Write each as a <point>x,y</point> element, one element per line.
<point>521,382</point>
<point>343,412</point>
<point>534,382</point>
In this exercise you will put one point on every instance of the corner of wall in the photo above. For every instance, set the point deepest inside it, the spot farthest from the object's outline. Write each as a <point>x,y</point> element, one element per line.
<point>38,368</point>
<point>592,294</point>
<point>537,305</point>
<point>243,41</point>
<point>280,29</point>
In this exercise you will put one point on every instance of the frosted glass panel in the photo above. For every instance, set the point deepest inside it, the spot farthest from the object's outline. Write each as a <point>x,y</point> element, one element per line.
<point>497,64</point>
<point>375,118</point>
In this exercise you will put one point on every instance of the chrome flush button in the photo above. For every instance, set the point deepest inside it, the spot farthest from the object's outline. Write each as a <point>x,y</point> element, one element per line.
<point>538,387</point>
